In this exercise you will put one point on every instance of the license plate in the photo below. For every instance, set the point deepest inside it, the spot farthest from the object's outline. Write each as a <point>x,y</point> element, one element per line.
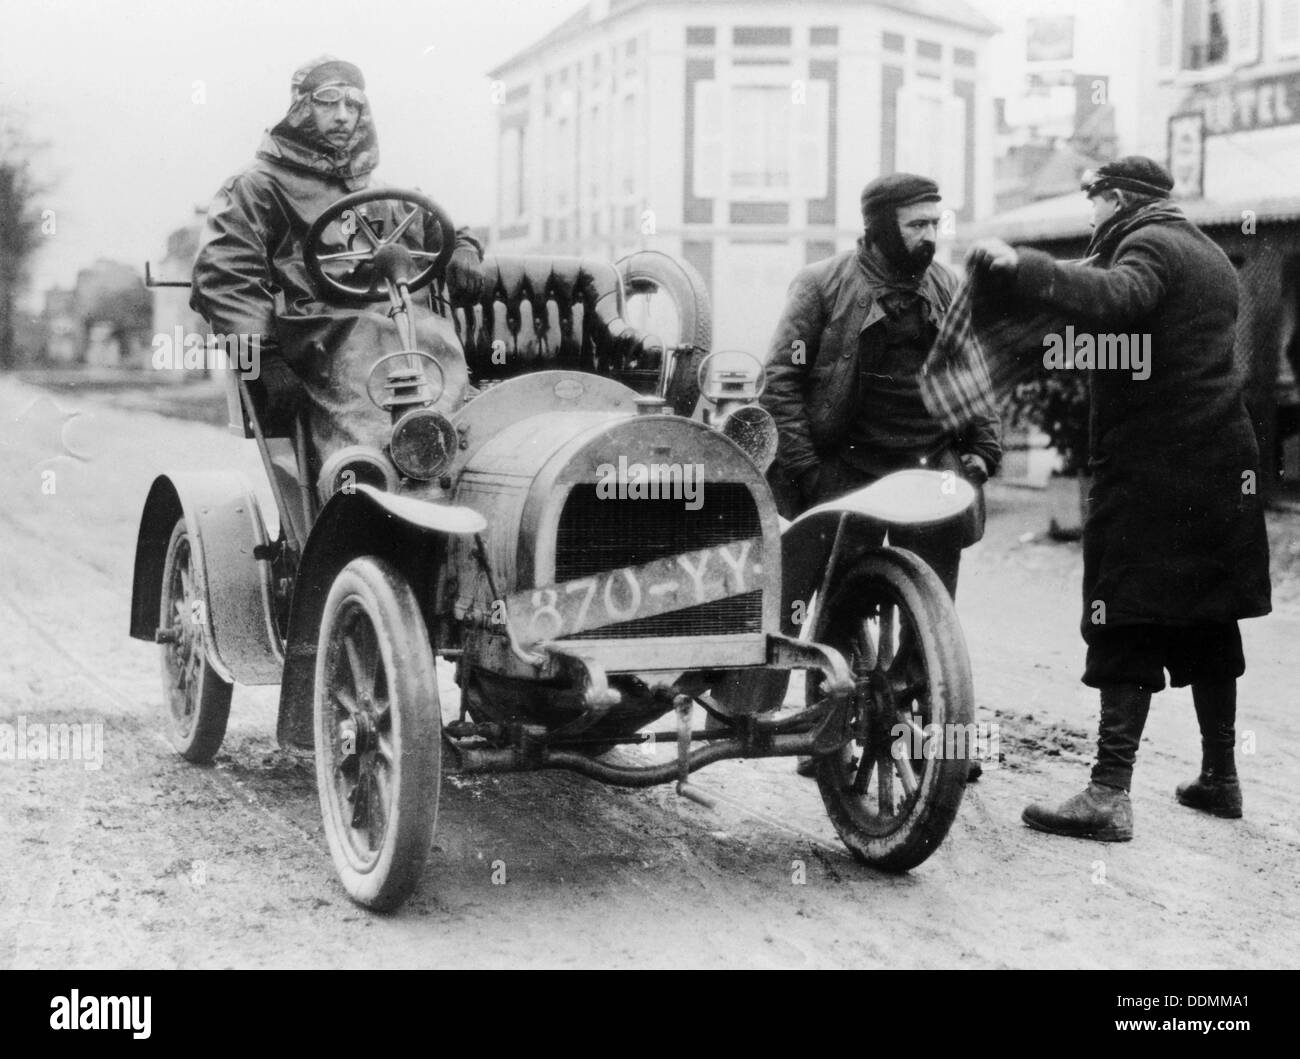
<point>632,592</point>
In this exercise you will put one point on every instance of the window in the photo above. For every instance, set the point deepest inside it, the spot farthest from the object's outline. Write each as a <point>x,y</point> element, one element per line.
<point>757,140</point>
<point>1205,34</point>
<point>931,138</point>
<point>564,164</point>
<point>512,169</point>
<point>759,132</point>
<point>628,151</point>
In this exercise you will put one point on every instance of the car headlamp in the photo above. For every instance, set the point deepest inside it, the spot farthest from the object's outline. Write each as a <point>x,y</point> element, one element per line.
<point>423,444</point>
<point>753,429</point>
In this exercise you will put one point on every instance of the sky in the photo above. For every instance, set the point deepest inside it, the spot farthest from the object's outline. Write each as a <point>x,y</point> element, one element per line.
<point>145,107</point>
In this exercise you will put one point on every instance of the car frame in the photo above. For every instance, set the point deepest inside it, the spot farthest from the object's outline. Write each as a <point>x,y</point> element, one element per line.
<point>575,620</point>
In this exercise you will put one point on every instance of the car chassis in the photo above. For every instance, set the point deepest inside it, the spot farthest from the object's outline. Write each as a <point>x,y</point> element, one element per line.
<point>575,621</point>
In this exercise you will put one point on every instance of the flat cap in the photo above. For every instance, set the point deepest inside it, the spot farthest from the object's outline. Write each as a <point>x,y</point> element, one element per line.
<point>1133,172</point>
<point>898,189</point>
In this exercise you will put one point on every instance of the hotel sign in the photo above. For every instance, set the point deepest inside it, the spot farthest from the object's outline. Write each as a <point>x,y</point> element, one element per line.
<point>1236,106</point>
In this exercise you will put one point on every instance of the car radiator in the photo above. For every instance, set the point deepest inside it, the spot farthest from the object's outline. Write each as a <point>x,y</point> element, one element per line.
<point>597,534</point>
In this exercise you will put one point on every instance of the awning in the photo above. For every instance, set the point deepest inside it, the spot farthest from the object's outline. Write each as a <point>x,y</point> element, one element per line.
<point>1067,217</point>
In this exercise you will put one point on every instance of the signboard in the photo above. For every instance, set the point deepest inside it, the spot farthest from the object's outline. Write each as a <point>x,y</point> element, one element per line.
<point>1049,39</point>
<point>1236,106</point>
<point>1187,155</point>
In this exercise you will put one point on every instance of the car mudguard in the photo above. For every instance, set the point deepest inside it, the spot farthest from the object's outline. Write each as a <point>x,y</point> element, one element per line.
<point>409,533</point>
<point>913,497</point>
<point>225,524</point>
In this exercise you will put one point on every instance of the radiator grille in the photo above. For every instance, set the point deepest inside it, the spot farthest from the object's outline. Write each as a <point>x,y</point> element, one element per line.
<point>597,535</point>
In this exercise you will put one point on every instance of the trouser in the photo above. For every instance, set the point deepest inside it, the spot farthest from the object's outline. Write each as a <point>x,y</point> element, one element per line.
<point>938,546</point>
<point>1127,664</point>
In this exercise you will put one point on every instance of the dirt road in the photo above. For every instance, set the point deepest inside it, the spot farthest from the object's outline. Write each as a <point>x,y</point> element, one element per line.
<point>145,861</point>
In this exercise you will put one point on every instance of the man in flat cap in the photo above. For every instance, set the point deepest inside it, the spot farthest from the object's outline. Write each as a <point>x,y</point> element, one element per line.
<point>1174,545</point>
<point>842,370</point>
<point>842,376</point>
<point>250,279</point>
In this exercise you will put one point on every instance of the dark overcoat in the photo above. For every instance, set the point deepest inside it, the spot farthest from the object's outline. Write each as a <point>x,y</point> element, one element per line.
<point>1175,529</point>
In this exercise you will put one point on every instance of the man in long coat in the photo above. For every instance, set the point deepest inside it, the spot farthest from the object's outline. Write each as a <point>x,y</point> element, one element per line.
<point>1174,545</point>
<point>250,279</point>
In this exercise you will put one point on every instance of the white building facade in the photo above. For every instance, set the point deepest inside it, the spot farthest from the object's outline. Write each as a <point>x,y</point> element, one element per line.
<point>737,135</point>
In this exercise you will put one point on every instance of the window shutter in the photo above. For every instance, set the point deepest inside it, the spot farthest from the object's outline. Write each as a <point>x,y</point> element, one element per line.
<point>1167,39</point>
<point>905,137</point>
<point>1243,32</point>
<point>952,181</point>
<point>1286,34</point>
<point>809,142</point>
<point>709,144</point>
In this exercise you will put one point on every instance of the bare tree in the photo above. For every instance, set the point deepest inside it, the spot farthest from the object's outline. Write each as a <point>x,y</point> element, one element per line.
<point>20,226</point>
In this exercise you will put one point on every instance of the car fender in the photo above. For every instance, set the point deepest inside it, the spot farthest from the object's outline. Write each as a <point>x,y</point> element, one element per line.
<point>912,497</point>
<point>409,533</point>
<point>225,525</point>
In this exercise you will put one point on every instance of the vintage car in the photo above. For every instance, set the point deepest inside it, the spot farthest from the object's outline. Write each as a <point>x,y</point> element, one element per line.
<point>590,540</point>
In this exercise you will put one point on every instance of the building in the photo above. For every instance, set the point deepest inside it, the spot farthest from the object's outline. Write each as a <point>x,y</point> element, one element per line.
<point>737,134</point>
<point>1066,80</point>
<point>103,321</point>
<point>1219,102</point>
<point>63,329</point>
<point>171,305</point>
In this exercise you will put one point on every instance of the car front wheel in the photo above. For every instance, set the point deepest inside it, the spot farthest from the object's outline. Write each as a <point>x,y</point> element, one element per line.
<point>378,733</point>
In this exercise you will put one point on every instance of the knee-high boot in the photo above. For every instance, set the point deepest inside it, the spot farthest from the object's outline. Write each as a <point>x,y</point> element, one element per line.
<point>1103,811</point>
<point>1216,790</point>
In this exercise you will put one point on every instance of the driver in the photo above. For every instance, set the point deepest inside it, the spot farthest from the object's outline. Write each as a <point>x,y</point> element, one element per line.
<point>250,279</point>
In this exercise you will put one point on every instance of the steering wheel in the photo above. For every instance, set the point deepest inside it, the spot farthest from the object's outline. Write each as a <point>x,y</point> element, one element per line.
<point>387,256</point>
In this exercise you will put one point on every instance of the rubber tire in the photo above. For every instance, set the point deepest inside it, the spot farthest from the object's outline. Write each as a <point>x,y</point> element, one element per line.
<point>647,271</point>
<point>201,741</point>
<point>378,591</point>
<point>943,783</point>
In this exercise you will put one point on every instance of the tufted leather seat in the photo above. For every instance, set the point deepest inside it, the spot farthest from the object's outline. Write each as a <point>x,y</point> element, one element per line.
<point>538,312</point>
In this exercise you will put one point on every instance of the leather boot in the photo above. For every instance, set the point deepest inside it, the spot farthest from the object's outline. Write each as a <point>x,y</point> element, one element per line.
<point>1099,812</point>
<point>1124,709</point>
<point>1216,790</point>
<point>1103,811</point>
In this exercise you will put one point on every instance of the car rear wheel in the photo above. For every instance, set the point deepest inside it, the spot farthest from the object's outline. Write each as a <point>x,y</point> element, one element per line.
<point>197,699</point>
<point>893,791</point>
<point>378,733</point>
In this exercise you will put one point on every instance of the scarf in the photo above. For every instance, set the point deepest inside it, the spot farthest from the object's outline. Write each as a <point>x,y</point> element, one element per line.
<point>990,340</point>
<point>1109,235</point>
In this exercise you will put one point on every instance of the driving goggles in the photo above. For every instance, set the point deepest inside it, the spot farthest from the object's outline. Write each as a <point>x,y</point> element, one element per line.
<point>331,94</point>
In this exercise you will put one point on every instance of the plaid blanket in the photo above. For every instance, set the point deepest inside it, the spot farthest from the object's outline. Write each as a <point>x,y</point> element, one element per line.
<point>986,345</point>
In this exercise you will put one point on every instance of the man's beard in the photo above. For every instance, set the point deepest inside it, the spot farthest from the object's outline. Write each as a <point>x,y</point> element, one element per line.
<point>921,257</point>
<point>884,234</point>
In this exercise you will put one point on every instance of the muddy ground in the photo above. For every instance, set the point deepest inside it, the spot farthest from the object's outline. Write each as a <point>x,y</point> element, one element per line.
<point>149,862</point>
